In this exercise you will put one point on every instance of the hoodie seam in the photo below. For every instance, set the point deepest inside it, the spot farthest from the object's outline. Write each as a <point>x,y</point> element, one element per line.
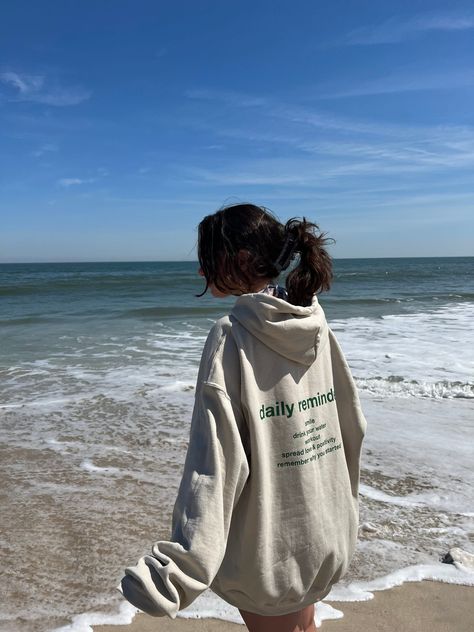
<point>323,339</point>
<point>212,356</point>
<point>217,387</point>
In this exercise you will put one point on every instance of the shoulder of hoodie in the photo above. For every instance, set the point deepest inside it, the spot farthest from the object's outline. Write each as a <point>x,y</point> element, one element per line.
<point>220,365</point>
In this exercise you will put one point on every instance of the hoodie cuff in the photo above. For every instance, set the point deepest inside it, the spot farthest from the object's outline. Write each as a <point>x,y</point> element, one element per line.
<point>133,591</point>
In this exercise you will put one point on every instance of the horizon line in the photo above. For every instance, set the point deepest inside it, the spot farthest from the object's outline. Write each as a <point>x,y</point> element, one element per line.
<point>196,261</point>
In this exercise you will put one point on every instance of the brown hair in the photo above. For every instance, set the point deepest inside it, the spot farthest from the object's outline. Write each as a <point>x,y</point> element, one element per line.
<point>242,243</point>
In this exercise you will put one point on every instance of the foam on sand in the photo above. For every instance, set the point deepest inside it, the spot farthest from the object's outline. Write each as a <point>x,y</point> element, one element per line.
<point>433,500</point>
<point>209,606</point>
<point>84,622</point>
<point>90,467</point>
<point>363,591</point>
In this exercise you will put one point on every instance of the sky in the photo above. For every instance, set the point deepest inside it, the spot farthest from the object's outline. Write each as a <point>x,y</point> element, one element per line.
<point>123,123</point>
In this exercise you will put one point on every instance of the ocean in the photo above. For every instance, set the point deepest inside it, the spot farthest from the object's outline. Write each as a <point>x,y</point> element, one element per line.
<point>98,363</point>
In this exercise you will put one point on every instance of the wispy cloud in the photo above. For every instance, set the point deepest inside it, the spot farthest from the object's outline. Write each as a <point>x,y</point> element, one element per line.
<point>398,83</point>
<point>291,146</point>
<point>289,112</point>
<point>69,182</point>
<point>237,99</point>
<point>161,52</point>
<point>102,172</point>
<point>38,89</point>
<point>398,29</point>
<point>300,119</point>
<point>311,173</point>
<point>45,148</point>
<point>26,84</point>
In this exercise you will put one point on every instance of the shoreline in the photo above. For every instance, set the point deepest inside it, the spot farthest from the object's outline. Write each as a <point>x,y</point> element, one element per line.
<point>425,606</point>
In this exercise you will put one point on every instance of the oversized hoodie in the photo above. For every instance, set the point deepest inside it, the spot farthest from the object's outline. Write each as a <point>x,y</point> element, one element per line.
<point>267,509</point>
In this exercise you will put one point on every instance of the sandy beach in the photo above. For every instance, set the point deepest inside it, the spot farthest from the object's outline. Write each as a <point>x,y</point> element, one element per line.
<point>413,607</point>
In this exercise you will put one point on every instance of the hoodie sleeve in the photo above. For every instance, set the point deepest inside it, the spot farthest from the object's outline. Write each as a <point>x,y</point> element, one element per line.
<point>351,418</point>
<point>215,473</point>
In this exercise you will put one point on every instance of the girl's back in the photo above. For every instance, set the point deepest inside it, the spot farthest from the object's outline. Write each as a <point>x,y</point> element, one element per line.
<point>267,510</point>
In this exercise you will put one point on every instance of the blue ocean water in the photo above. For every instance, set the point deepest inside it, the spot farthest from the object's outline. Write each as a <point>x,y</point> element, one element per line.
<point>97,369</point>
<point>367,287</point>
<point>87,314</point>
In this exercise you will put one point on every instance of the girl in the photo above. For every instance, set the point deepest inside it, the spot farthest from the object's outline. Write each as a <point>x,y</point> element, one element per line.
<point>267,509</point>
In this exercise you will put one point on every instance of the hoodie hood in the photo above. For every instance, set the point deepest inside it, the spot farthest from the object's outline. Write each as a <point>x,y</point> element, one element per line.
<point>295,332</point>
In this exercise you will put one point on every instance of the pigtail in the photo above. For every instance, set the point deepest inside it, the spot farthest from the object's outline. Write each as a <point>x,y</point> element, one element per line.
<point>313,273</point>
<point>244,243</point>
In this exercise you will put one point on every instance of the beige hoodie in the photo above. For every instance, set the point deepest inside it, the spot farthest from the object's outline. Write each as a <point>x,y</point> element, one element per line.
<point>267,510</point>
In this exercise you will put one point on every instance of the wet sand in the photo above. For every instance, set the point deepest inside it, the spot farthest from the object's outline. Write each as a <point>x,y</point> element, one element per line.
<point>414,607</point>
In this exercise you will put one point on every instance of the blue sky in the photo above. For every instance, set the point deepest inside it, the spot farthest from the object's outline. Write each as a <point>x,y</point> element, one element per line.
<point>123,123</point>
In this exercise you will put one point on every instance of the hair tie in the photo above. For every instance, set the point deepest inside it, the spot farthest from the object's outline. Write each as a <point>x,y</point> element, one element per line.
<point>287,253</point>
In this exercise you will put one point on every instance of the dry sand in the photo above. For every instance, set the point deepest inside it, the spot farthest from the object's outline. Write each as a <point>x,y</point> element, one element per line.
<point>414,607</point>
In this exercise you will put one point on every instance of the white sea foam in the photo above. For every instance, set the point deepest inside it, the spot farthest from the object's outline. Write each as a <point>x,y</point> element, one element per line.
<point>325,612</point>
<point>84,622</point>
<point>178,385</point>
<point>428,440</point>
<point>362,590</point>
<point>90,467</point>
<point>434,500</point>
<point>38,403</point>
<point>401,387</point>
<point>422,355</point>
<point>419,354</point>
<point>208,605</point>
<point>63,447</point>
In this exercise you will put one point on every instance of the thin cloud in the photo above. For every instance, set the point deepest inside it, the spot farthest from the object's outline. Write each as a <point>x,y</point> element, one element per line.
<point>276,110</point>
<point>236,99</point>
<point>102,172</point>
<point>434,150</point>
<point>397,30</point>
<point>69,182</point>
<point>261,175</point>
<point>292,113</point>
<point>310,131</point>
<point>37,89</point>
<point>46,148</point>
<point>26,84</point>
<point>328,149</point>
<point>398,84</point>
<point>310,173</point>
